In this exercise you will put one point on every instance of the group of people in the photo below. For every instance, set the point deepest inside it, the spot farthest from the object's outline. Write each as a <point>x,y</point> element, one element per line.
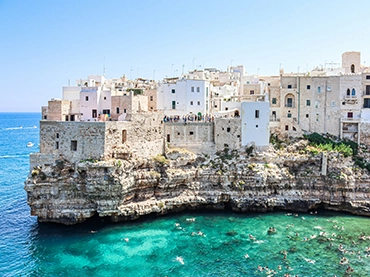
<point>189,118</point>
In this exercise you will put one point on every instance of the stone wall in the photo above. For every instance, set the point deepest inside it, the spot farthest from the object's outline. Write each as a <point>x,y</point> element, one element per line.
<point>140,136</point>
<point>228,133</point>
<point>73,140</point>
<point>197,136</point>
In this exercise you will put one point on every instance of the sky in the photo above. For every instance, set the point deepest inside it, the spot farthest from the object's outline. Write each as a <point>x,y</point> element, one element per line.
<point>45,45</point>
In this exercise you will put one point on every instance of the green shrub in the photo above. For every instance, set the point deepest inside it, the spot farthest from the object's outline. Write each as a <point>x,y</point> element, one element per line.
<point>161,159</point>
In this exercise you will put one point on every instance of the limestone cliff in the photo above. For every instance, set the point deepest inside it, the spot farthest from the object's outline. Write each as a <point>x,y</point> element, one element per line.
<point>245,180</point>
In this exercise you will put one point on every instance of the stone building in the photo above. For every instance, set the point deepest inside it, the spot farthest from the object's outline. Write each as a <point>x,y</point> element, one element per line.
<point>137,136</point>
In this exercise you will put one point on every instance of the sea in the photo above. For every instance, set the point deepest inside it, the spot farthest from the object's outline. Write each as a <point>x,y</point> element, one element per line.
<point>202,243</point>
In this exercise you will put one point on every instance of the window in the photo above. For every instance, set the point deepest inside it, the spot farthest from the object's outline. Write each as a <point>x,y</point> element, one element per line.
<point>367,77</point>
<point>348,92</point>
<point>273,100</point>
<point>319,90</point>
<point>105,98</point>
<point>289,115</point>
<point>289,86</point>
<point>353,92</point>
<point>251,92</point>
<point>151,98</point>
<point>173,90</point>
<point>57,135</point>
<point>87,98</point>
<point>366,103</point>
<point>317,117</point>
<point>124,110</point>
<point>307,115</point>
<point>66,117</point>
<point>191,133</point>
<point>73,145</point>
<point>45,117</point>
<point>117,110</point>
<point>367,91</point>
<point>94,113</point>
<point>308,102</point>
<point>106,111</point>
<point>228,129</point>
<point>72,117</point>
<point>350,114</point>
<point>168,138</point>
<point>206,91</point>
<point>352,68</point>
<point>198,103</point>
<point>256,126</point>
<point>173,105</point>
<point>289,102</point>
<point>226,108</point>
<point>274,115</point>
<point>57,145</point>
<point>198,89</point>
<point>192,89</point>
<point>191,103</point>
<point>286,127</point>
<point>257,114</point>
<point>124,136</point>
<point>308,86</point>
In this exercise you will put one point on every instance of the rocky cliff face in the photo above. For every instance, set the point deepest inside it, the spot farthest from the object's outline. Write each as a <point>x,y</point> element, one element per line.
<point>247,180</point>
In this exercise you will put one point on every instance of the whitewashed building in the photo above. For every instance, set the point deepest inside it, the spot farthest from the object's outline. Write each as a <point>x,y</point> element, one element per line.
<point>255,123</point>
<point>178,97</point>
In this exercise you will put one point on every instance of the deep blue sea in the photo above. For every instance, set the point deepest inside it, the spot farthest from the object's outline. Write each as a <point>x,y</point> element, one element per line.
<point>186,244</point>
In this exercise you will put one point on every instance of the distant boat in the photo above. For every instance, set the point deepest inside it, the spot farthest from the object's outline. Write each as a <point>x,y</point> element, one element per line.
<point>30,144</point>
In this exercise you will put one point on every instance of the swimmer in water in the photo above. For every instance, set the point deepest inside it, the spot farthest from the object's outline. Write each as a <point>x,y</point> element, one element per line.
<point>180,260</point>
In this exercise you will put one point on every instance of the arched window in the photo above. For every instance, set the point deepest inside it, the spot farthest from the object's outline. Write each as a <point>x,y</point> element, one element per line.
<point>236,114</point>
<point>352,68</point>
<point>348,92</point>
<point>353,92</point>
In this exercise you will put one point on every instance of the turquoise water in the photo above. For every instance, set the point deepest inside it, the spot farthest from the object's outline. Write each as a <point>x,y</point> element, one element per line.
<point>187,244</point>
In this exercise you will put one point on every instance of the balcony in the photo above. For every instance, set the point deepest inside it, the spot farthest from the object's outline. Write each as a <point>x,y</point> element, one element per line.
<point>289,105</point>
<point>350,119</point>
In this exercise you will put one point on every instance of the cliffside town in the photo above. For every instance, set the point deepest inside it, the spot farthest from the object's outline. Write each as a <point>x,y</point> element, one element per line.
<point>122,149</point>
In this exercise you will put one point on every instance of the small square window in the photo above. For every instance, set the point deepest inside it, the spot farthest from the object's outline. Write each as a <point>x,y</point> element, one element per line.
<point>289,115</point>
<point>289,86</point>
<point>273,100</point>
<point>307,115</point>
<point>308,86</point>
<point>308,102</point>
<point>367,77</point>
<point>198,103</point>
<point>191,133</point>
<point>173,91</point>
<point>256,126</point>
<point>251,92</point>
